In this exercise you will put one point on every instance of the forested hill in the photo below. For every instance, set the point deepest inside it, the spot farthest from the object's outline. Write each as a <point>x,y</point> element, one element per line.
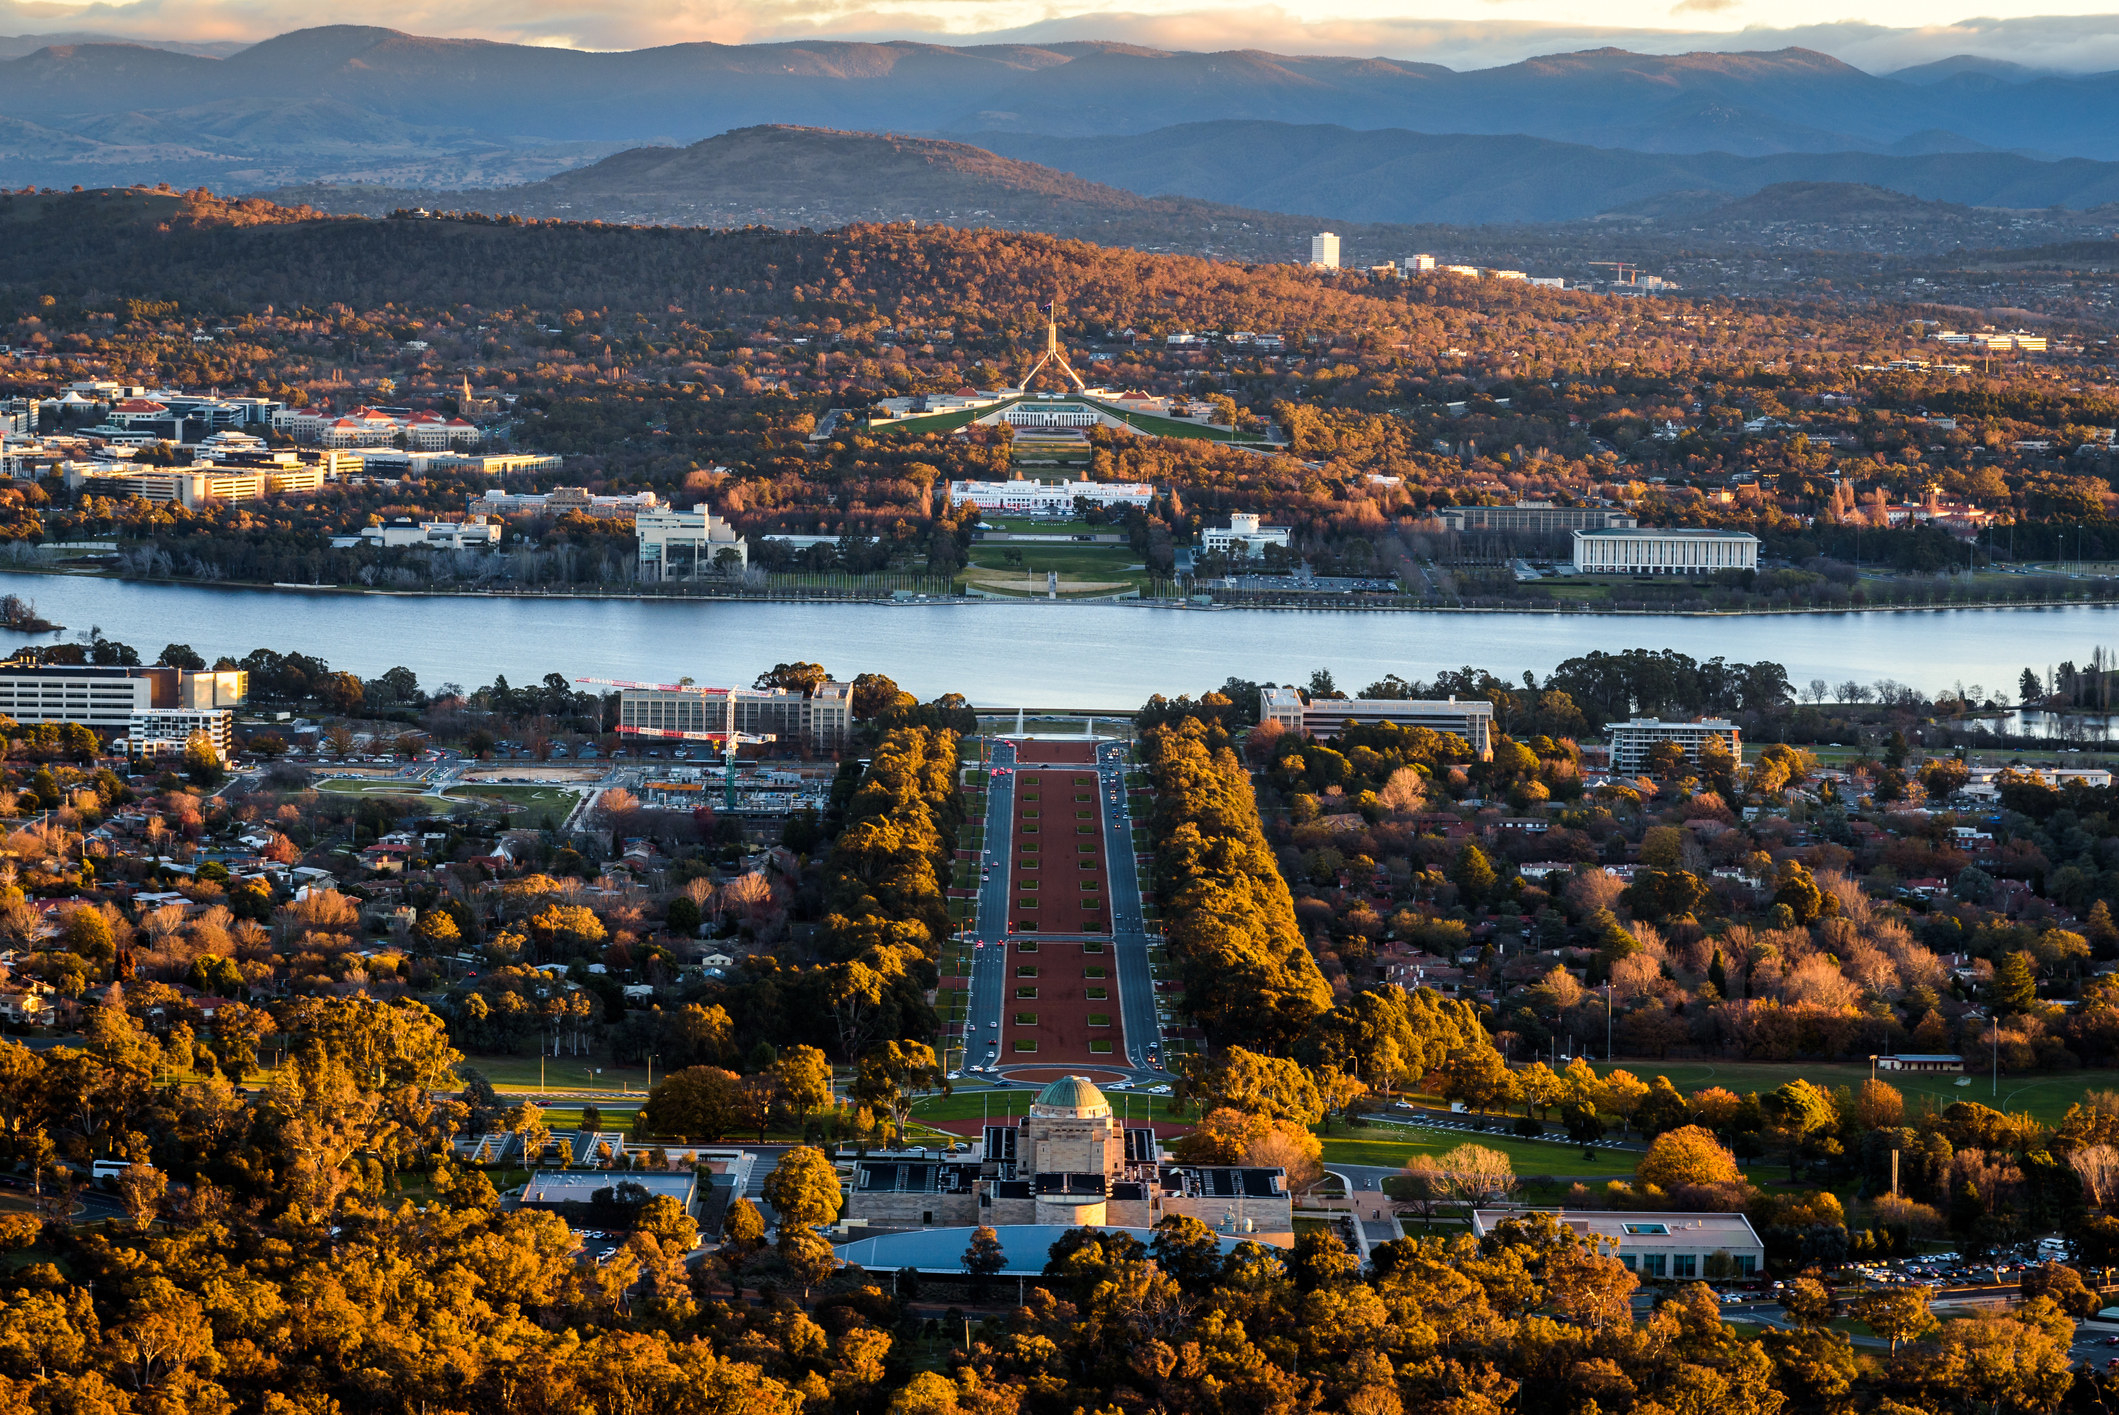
<point>218,259</point>
<point>818,178</point>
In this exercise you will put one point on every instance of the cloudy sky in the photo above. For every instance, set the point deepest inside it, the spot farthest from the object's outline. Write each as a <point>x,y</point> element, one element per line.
<point>1878,35</point>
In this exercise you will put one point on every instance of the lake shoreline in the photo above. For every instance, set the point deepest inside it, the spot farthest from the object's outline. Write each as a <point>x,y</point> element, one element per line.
<point>860,597</point>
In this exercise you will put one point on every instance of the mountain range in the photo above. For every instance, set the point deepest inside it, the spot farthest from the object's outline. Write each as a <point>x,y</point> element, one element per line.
<point>1353,140</point>
<point>1258,189</point>
<point>453,91</point>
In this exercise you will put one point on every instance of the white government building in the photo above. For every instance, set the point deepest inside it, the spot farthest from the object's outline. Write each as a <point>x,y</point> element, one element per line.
<point>1243,529</point>
<point>1048,498</point>
<point>1619,550</point>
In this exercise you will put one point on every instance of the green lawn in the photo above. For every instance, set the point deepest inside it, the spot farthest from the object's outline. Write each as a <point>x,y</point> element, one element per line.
<point>555,800</point>
<point>1388,1145</point>
<point>351,786</point>
<point>2047,1096</point>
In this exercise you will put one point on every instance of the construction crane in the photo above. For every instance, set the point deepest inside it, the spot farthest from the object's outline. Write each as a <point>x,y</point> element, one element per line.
<point>729,742</point>
<point>1626,270</point>
<point>728,738</point>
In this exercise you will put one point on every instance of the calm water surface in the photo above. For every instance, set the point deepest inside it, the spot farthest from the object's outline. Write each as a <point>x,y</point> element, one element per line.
<point>1056,655</point>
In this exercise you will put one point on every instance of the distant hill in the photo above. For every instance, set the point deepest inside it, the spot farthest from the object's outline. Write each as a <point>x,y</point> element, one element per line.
<point>1397,176</point>
<point>823,178</point>
<point>468,112</point>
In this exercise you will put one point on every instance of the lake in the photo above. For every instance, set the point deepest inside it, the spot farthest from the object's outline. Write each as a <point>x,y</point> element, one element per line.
<point>1105,656</point>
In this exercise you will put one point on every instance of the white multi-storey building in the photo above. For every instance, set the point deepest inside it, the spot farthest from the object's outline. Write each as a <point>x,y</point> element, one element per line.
<point>677,546</point>
<point>1324,250</point>
<point>166,732</point>
<point>1619,550</point>
<point>1632,741</point>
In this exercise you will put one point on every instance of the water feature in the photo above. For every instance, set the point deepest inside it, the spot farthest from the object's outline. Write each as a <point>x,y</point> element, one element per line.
<point>1041,654</point>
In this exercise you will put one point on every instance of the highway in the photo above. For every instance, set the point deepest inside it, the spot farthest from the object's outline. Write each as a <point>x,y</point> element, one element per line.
<point>989,927</point>
<point>1129,938</point>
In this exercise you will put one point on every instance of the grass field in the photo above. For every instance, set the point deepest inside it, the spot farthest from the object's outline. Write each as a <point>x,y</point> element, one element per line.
<point>555,800</point>
<point>1091,564</point>
<point>2046,1096</point>
<point>351,786</point>
<point>1389,1146</point>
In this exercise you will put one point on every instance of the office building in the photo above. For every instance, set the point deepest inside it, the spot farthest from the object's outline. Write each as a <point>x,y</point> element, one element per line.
<point>196,485</point>
<point>1655,1245</point>
<point>1244,530</point>
<point>1640,551</point>
<point>565,501</point>
<point>1324,718</point>
<point>821,718</point>
<point>1632,741</point>
<point>1324,250</point>
<point>680,546</point>
<point>107,698</point>
<point>1534,516</point>
<point>1415,264</point>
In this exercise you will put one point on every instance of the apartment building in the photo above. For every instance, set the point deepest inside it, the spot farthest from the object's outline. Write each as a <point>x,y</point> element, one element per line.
<point>166,732</point>
<point>1324,718</point>
<point>1632,741</point>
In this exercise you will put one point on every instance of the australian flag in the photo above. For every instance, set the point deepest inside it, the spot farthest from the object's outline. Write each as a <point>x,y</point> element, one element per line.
<point>1045,308</point>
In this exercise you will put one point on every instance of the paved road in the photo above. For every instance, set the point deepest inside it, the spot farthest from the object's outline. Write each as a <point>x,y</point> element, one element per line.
<point>1129,938</point>
<point>989,929</point>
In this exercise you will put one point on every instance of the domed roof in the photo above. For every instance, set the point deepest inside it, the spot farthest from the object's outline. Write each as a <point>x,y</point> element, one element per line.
<point>1071,1096</point>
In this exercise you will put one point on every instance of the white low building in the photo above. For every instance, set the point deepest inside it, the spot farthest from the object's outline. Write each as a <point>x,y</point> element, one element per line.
<point>1243,529</point>
<point>1620,550</point>
<point>1679,1246</point>
<point>1324,718</point>
<point>1036,498</point>
<point>478,533</point>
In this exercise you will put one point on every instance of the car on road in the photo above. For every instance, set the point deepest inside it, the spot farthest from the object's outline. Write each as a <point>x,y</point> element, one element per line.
<point>993,1026</point>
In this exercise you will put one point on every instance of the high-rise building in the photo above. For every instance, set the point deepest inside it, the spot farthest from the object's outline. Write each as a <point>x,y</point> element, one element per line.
<point>1324,250</point>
